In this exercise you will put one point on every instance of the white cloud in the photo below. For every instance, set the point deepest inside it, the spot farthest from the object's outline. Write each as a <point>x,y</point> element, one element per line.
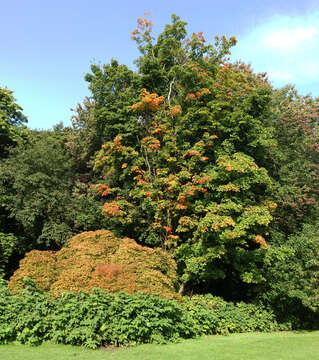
<point>287,48</point>
<point>281,76</point>
<point>289,40</point>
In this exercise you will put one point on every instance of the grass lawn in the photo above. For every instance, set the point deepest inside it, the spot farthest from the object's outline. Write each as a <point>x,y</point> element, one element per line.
<point>274,346</point>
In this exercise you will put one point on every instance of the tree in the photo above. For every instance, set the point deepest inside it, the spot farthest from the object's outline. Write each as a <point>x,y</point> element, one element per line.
<point>183,170</point>
<point>11,120</point>
<point>294,162</point>
<point>35,186</point>
<point>12,129</point>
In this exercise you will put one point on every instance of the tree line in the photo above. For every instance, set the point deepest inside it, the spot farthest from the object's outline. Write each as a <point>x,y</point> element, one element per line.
<point>191,153</point>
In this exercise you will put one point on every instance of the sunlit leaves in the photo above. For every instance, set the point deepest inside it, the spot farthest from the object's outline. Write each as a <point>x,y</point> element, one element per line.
<point>99,260</point>
<point>191,176</point>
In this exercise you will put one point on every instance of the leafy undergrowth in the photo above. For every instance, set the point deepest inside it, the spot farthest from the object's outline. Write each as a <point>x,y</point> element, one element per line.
<point>100,318</point>
<point>253,346</point>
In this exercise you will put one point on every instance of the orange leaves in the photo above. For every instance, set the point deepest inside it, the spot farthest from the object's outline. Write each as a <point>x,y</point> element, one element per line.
<point>201,180</point>
<point>134,34</point>
<point>155,145</point>
<point>168,229</point>
<point>117,144</point>
<point>98,259</point>
<point>144,23</point>
<point>173,237</point>
<point>111,209</point>
<point>260,240</point>
<point>192,153</point>
<point>194,66</point>
<point>190,96</point>
<point>35,264</point>
<point>140,181</point>
<point>137,170</point>
<point>227,222</point>
<point>157,130</point>
<point>108,271</point>
<point>110,152</point>
<point>160,128</point>
<point>181,205</point>
<point>176,110</point>
<point>272,205</point>
<point>149,102</point>
<point>196,154</point>
<point>198,94</point>
<point>205,91</point>
<point>225,67</point>
<point>150,143</point>
<point>102,190</point>
<point>199,38</point>
<point>143,31</point>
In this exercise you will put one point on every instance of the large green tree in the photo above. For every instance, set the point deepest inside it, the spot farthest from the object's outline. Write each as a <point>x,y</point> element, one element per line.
<point>183,165</point>
<point>295,161</point>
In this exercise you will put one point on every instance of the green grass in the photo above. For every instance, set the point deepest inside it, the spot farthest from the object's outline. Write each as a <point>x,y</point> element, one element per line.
<point>274,346</point>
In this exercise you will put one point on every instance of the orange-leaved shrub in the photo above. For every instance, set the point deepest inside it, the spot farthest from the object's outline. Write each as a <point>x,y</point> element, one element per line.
<point>99,259</point>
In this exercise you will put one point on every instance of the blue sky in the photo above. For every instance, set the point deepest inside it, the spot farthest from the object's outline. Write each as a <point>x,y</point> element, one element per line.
<point>48,46</point>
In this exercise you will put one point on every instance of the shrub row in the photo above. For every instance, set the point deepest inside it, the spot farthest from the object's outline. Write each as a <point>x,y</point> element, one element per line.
<point>100,318</point>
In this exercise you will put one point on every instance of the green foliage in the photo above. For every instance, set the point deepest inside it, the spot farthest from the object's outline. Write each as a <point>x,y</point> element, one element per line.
<point>190,153</point>
<point>101,319</point>
<point>184,173</point>
<point>35,183</point>
<point>113,88</point>
<point>294,162</point>
<point>291,271</point>
<point>11,120</point>
<point>213,315</point>
<point>45,193</point>
<point>8,242</point>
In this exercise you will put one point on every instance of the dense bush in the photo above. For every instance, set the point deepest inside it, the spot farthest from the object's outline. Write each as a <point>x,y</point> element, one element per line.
<point>213,315</point>
<point>103,318</point>
<point>99,259</point>
<point>291,271</point>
